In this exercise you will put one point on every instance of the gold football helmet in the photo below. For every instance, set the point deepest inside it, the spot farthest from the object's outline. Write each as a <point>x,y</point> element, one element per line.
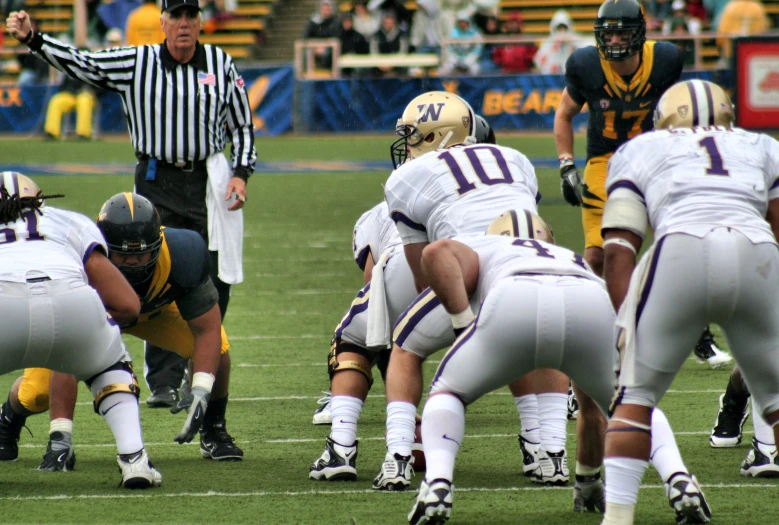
<point>17,184</point>
<point>523,225</point>
<point>694,103</point>
<point>432,121</point>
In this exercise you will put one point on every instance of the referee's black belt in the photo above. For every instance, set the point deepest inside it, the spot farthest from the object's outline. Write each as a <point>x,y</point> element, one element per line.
<point>187,166</point>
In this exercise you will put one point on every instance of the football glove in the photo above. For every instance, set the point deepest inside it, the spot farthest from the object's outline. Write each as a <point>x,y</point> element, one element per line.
<point>570,182</point>
<point>195,415</point>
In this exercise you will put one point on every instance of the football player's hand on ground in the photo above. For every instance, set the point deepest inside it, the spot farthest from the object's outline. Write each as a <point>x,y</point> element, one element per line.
<point>570,182</point>
<point>195,415</point>
<point>18,25</point>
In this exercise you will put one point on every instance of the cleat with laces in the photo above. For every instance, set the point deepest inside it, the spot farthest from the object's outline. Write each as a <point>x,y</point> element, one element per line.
<point>588,494</point>
<point>433,505</point>
<point>530,452</point>
<point>573,403</point>
<point>396,473</point>
<point>706,351</point>
<point>322,415</point>
<point>61,460</point>
<point>217,444</point>
<point>11,425</point>
<point>762,461</point>
<point>552,468</point>
<point>337,463</point>
<point>137,471</point>
<point>728,426</point>
<point>686,498</point>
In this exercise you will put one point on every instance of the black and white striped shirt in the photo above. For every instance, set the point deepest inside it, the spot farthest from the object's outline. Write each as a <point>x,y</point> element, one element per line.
<point>175,113</point>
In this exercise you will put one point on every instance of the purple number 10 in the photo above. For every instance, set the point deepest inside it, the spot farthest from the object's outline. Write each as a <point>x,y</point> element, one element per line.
<point>717,166</point>
<point>463,184</point>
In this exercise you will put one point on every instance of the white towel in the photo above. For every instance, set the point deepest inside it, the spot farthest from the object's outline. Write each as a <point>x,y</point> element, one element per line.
<point>225,228</point>
<point>379,333</point>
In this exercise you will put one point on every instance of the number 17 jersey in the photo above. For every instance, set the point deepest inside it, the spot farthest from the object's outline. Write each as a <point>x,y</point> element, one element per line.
<point>459,190</point>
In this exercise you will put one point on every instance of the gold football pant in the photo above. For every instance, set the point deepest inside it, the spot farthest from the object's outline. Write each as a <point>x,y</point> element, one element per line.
<point>62,103</point>
<point>594,199</point>
<point>164,328</point>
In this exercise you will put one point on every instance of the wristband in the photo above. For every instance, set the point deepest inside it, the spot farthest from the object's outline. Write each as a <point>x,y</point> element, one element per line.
<point>203,380</point>
<point>462,319</point>
<point>619,241</point>
<point>28,37</point>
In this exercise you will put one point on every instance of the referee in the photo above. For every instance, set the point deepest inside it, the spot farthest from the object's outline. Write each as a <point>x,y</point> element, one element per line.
<point>183,100</point>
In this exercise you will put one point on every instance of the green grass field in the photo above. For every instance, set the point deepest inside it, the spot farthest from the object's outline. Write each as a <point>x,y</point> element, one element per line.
<point>299,280</point>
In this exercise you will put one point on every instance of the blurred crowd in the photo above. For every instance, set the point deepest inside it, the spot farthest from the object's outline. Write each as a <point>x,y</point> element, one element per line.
<point>387,27</point>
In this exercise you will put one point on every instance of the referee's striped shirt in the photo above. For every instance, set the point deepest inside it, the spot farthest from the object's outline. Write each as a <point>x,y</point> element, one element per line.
<point>175,113</point>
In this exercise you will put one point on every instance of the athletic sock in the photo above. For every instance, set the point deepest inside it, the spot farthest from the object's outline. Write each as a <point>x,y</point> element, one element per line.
<point>401,427</point>
<point>346,411</point>
<point>443,429</point>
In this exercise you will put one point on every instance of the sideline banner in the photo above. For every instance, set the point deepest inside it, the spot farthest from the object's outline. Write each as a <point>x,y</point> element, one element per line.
<point>756,66</point>
<point>270,90</point>
<point>518,102</point>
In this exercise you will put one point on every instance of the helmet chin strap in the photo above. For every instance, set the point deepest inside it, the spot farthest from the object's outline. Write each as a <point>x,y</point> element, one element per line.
<point>443,143</point>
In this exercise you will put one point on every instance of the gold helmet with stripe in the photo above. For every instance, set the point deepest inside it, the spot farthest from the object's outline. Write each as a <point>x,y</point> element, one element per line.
<point>521,224</point>
<point>432,121</point>
<point>20,185</point>
<point>694,103</point>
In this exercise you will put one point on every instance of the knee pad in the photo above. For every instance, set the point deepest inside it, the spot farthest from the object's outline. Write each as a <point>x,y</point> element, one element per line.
<point>116,388</point>
<point>334,366</point>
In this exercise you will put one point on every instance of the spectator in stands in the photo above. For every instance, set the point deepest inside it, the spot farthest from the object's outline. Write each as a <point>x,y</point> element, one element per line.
<point>143,25</point>
<point>681,23</point>
<point>514,58</point>
<point>484,10</point>
<point>114,13</point>
<point>715,9</point>
<point>75,95</point>
<point>558,46</point>
<point>324,24</point>
<point>464,54</point>
<point>696,10</point>
<point>352,41</point>
<point>365,22</point>
<point>96,28</point>
<point>389,39</point>
<point>491,28</point>
<point>396,7</point>
<point>428,27</point>
<point>661,9</point>
<point>215,11</point>
<point>740,18</point>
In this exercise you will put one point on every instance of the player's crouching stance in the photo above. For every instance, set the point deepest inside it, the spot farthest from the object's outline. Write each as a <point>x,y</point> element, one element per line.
<point>714,259</point>
<point>56,285</point>
<point>527,288</point>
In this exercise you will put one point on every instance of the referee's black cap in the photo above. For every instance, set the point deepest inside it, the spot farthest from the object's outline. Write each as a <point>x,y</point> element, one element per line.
<point>170,5</point>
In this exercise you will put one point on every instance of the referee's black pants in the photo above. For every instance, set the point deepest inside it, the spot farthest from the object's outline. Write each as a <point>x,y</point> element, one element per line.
<point>180,198</point>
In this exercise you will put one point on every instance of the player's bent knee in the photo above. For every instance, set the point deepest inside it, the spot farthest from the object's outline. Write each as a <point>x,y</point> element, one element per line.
<point>116,388</point>
<point>33,392</point>
<point>334,365</point>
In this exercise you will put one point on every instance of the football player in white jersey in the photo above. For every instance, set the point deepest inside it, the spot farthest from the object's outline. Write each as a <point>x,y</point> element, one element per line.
<point>711,195</point>
<point>365,330</point>
<point>61,304</point>
<point>519,283</point>
<point>444,185</point>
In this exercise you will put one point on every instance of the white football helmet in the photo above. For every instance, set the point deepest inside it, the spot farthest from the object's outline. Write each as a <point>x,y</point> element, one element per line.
<point>433,121</point>
<point>17,184</point>
<point>694,103</point>
<point>521,224</point>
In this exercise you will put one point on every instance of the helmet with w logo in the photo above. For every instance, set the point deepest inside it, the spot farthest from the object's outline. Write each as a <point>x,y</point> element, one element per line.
<point>432,121</point>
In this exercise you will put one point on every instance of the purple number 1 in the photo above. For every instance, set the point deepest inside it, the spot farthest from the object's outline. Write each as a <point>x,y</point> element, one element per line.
<point>717,166</point>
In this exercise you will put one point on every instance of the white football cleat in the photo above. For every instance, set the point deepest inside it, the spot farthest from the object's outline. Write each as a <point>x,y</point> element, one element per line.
<point>137,471</point>
<point>686,498</point>
<point>552,468</point>
<point>322,415</point>
<point>762,461</point>
<point>708,352</point>
<point>396,473</point>
<point>433,505</point>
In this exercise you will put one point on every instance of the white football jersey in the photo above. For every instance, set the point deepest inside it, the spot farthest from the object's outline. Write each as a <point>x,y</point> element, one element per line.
<point>501,256</point>
<point>55,242</point>
<point>374,233</point>
<point>459,190</point>
<point>692,180</point>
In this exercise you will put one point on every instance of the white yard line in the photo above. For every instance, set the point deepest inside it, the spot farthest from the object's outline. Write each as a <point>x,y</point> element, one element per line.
<point>328,493</point>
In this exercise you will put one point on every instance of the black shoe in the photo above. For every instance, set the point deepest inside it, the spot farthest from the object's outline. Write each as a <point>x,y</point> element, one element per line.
<point>729,423</point>
<point>164,396</point>
<point>217,444</point>
<point>10,431</point>
<point>706,351</point>
<point>58,460</point>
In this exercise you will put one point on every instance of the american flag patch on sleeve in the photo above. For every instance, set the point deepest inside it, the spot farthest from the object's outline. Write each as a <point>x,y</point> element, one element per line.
<point>206,78</point>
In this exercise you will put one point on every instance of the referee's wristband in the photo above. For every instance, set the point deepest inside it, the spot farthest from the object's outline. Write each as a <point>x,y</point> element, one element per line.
<point>36,42</point>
